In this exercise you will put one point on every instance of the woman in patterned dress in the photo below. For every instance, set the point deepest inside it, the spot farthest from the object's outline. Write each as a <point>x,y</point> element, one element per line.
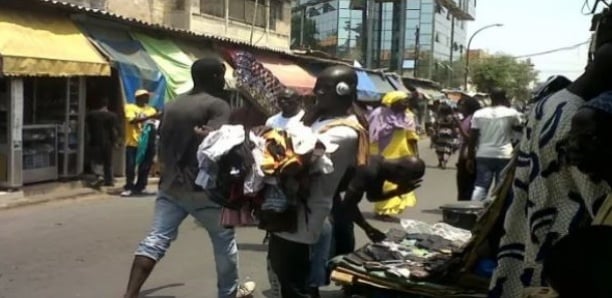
<point>446,135</point>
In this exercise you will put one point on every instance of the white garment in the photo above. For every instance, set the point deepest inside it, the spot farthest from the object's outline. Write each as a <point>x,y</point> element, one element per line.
<point>279,122</point>
<point>495,126</point>
<point>323,187</point>
<point>550,200</point>
<point>212,148</point>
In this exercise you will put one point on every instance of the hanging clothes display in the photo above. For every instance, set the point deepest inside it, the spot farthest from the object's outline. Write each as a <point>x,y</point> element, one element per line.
<point>171,60</point>
<point>135,67</point>
<point>259,82</point>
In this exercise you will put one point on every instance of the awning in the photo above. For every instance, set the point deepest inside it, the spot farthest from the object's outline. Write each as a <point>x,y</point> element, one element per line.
<point>381,83</point>
<point>39,44</point>
<point>289,74</point>
<point>172,61</point>
<point>396,82</point>
<point>196,53</point>
<point>366,90</point>
<point>135,67</point>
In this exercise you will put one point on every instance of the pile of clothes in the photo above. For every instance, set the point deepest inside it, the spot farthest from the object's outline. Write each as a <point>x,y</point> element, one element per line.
<point>418,252</point>
<point>261,176</point>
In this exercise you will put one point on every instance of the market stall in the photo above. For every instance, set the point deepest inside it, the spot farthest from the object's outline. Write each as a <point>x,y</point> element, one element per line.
<point>45,62</point>
<point>418,259</point>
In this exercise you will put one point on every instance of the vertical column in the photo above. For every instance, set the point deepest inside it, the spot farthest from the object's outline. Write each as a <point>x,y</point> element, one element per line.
<point>15,141</point>
<point>226,6</point>
<point>81,124</point>
<point>402,36</point>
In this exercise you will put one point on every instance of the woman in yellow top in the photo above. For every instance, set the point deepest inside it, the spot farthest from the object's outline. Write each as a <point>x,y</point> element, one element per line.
<point>393,135</point>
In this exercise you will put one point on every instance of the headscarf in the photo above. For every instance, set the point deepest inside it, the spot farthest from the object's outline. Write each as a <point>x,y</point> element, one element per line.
<point>384,121</point>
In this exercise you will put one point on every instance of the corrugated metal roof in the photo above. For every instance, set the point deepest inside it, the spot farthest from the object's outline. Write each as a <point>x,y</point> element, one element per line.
<point>133,21</point>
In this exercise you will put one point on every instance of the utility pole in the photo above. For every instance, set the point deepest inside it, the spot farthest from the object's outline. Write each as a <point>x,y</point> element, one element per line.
<point>302,21</point>
<point>417,40</point>
<point>253,22</point>
<point>452,51</point>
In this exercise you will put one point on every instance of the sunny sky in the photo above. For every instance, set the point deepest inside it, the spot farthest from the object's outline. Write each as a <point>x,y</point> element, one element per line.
<point>532,26</point>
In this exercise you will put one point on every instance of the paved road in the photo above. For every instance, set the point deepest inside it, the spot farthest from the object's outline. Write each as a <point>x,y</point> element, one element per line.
<point>83,248</point>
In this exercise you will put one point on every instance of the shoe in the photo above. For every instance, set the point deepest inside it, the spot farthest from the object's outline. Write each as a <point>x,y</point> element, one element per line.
<point>126,193</point>
<point>246,289</point>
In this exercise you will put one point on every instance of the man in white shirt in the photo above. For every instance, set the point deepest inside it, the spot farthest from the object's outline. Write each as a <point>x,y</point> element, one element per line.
<point>491,141</point>
<point>291,114</point>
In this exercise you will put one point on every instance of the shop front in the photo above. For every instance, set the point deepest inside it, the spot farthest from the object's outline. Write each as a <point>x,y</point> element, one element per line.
<point>42,102</point>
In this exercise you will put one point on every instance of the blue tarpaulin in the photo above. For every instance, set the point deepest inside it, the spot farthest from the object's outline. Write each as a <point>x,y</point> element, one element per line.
<point>135,67</point>
<point>366,89</point>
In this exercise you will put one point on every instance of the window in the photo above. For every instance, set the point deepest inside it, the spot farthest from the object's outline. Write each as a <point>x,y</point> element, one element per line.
<point>213,7</point>
<point>243,10</point>
<point>437,37</point>
<point>179,5</point>
<point>276,13</point>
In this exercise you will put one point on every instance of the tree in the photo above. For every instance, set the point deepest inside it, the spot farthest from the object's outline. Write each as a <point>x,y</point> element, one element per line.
<point>443,71</point>
<point>505,72</point>
<point>307,30</point>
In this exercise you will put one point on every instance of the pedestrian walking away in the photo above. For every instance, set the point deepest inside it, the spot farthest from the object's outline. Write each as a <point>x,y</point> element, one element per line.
<point>490,147</point>
<point>183,124</point>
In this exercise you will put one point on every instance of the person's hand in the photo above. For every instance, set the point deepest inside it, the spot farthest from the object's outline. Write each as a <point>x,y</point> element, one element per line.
<point>470,165</point>
<point>409,186</point>
<point>375,235</point>
<point>202,130</point>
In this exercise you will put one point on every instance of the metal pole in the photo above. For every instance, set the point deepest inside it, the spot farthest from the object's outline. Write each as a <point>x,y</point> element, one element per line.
<point>452,51</point>
<point>417,40</point>
<point>467,53</point>
<point>253,23</point>
<point>302,21</point>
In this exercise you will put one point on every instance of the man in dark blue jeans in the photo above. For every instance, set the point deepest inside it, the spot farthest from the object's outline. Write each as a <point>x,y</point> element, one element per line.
<point>490,147</point>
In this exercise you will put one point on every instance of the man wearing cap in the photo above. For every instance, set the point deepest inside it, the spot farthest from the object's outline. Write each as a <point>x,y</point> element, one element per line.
<point>136,114</point>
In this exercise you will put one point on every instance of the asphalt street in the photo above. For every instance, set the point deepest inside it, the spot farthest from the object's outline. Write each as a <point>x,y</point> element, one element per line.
<point>83,248</point>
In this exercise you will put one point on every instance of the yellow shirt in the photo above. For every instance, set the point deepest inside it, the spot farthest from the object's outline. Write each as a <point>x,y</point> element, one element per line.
<point>133,131</point>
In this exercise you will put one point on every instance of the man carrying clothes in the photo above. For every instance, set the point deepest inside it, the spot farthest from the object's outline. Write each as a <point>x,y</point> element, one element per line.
<point>199,110</point>
<point>490,146</point>
<point>102,137</point>
<point>289,253</point>
<point>136,114</point>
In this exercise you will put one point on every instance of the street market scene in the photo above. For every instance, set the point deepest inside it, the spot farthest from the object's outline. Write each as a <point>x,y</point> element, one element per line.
<point>305,149</point>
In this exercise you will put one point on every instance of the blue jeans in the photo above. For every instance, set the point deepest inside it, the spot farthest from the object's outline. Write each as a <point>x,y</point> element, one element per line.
<point>168,216</point>
<point>487,169</point>
<point>319,257</point>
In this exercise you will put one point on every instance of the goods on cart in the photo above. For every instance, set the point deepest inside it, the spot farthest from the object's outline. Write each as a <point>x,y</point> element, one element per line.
<point>413,260</point>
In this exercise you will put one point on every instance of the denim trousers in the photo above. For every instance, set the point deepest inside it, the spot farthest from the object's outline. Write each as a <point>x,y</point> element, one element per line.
<point>319,257</point>
<point>170,213</point>
<point>487,169</point>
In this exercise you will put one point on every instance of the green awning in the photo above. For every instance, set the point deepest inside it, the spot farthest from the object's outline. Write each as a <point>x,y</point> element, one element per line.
<point>172,61</point>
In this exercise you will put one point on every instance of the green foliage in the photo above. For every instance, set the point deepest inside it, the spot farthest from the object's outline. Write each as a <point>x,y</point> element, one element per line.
<point>505,72</point>
<point>449,75</point>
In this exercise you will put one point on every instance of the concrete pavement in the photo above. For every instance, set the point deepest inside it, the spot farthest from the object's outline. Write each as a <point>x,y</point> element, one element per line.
<point>84,248</point>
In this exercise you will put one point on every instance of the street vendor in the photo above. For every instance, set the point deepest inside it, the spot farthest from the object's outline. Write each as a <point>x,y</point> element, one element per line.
<point>369,179</point>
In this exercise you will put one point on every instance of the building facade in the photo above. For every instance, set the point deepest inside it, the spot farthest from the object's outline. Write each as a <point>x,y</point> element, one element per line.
<point>403,35</point>
<point>257,22</point>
